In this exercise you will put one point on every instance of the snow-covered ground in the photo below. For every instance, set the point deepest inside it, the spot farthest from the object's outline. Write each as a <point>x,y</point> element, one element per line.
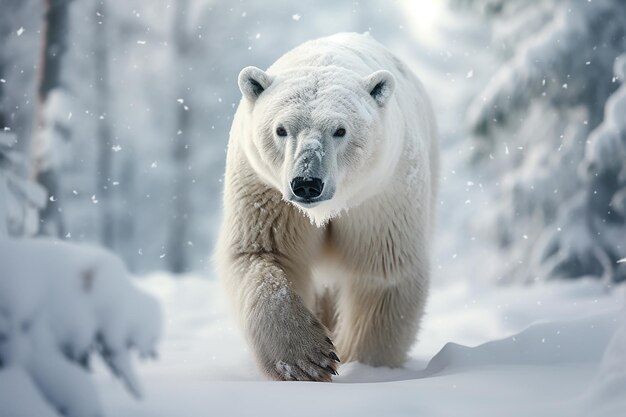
<point>546,344</point>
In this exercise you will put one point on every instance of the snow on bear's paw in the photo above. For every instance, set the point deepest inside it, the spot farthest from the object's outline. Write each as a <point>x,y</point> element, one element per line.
<point>329,195</point>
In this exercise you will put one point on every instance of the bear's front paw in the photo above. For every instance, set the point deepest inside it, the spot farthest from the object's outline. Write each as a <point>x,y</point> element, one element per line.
<point>314,365</point>
<point>305,355</point>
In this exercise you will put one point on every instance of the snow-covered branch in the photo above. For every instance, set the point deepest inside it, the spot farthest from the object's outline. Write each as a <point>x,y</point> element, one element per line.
<point>561,63</point>
<point>59,305</point>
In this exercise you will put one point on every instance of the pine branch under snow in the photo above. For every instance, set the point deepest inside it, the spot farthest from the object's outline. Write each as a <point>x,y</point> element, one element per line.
<point>59,305</point>
<point>553,64</point>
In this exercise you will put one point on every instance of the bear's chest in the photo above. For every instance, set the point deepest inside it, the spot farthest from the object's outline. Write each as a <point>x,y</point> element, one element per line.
<point>381,248</point>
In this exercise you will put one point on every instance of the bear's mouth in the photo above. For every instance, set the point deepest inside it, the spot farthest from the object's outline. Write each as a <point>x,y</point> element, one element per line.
<point>306,203</point>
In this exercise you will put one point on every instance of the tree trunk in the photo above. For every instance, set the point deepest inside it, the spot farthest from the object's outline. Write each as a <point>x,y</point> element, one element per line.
<point>3,119</point>
<point>103,134</point>
<point>126,242</point>
<point>178,232</point>
<point>46,171</point>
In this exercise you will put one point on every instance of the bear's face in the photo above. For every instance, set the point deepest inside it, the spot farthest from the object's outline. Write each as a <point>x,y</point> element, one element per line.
<point>315,133</point>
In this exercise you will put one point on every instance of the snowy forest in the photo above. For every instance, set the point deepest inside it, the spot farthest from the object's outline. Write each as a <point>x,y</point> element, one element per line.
<point>114,122</point>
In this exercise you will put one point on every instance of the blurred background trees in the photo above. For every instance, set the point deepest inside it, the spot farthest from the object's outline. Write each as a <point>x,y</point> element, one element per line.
<point>134,131</point>
<point>549,126</point>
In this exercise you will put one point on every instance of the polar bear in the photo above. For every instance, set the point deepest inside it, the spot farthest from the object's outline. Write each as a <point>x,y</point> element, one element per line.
<point>329,198</point>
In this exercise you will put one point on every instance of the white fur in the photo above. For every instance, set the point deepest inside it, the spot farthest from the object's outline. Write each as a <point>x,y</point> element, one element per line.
<point>355,266</point>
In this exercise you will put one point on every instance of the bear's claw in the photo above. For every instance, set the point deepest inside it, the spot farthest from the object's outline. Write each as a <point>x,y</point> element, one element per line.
<point>319,364</point>
<point>331,370</point>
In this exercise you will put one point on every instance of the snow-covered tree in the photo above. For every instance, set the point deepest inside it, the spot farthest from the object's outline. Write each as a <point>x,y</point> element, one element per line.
<point>19,198</point>
<point>60,304</point>
<point>20,25</point>
<point>543,129</point>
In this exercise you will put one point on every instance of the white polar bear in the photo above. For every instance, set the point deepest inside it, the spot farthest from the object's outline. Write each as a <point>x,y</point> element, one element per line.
<point>329,202</point>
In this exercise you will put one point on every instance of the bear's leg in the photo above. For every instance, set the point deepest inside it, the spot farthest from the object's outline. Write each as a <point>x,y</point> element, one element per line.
<point>378,322</point>
<point>288,341</point>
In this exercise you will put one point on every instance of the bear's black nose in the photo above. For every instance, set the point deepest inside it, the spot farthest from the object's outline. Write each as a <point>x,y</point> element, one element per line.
<point>307,188</point>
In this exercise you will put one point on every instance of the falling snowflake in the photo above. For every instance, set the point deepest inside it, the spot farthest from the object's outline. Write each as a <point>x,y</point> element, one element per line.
<point>296,17</point>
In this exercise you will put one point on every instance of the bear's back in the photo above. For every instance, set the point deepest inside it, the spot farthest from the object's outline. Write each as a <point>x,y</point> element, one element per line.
<point>357,52</point>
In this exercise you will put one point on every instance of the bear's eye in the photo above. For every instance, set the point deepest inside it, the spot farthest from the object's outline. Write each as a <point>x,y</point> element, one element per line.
<point>281,131</point>
<point>339,133</point>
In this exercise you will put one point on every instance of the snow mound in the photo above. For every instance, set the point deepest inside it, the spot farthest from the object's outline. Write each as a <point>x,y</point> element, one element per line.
<point>549,343</point>
<point>60,303</point>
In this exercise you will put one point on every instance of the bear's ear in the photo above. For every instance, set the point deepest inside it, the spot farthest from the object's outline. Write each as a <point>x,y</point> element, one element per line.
<point>380,85</point>
<point>252,82</point>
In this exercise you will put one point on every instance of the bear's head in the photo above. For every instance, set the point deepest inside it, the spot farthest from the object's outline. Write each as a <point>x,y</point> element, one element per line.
<point>317,134</point>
